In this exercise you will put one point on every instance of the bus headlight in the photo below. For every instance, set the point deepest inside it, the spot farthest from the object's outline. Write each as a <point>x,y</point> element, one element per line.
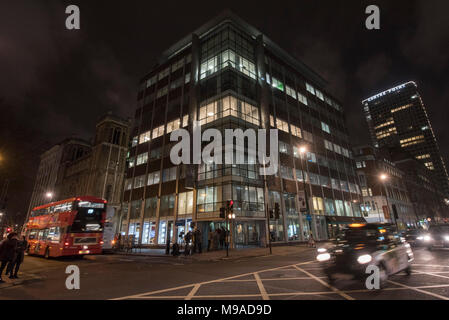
<point>364,259</point>
<point>323,257</point>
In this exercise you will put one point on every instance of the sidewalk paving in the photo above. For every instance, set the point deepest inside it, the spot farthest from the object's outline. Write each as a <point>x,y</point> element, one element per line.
<point>23,278</point>
<point>221,254</point>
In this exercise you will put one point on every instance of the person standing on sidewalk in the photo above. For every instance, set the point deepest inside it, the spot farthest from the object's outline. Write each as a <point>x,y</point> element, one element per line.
<point>210,237</point>
<point>8,249</point>
<point>198,241</point>
<point>13,268</point>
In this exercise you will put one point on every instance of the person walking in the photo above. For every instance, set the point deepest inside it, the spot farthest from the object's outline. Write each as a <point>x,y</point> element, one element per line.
<point>8,249</point>
<point>13,268</point>
<point>311,241</point>
<point>216,239</point>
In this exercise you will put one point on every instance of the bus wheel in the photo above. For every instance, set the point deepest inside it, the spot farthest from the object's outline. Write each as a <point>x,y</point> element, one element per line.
<point>47,253</point>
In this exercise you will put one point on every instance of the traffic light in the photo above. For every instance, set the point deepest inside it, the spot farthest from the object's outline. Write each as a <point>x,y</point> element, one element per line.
<point>271,214</point>
<point>277,211</point>
<point>222,213</point>
<point>230,205</point>
<point>8,230</point>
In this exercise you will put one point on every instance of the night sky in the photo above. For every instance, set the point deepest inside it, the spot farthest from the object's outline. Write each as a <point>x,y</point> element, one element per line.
<point>56,83</point>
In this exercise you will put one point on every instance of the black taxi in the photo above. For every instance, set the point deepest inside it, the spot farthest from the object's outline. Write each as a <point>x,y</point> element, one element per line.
<point>361,245</point>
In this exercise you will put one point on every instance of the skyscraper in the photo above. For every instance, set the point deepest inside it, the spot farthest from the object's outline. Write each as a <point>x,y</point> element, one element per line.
<point>227,74</point>
<point>397,117</point>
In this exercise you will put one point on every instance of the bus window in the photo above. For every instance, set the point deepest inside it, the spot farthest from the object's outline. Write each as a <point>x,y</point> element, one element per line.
<point>54,234</point>
<point>32,235</point>
<point>88,220</point>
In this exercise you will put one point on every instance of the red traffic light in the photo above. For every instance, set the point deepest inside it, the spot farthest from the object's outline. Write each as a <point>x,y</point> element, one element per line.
<point>8,230</point>
<point>231,203</point>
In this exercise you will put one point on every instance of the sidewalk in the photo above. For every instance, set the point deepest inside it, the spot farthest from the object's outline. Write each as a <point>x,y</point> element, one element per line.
<point>24,277</point>
<point>221,254</point>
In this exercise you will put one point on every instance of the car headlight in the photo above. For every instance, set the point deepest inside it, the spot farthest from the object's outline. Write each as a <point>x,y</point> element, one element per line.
<point>427,238</point>
<point>323,257</point>
<point>420,238</point>
<point>446,238</point>
<point>321,250</point>
<point>364,259</point>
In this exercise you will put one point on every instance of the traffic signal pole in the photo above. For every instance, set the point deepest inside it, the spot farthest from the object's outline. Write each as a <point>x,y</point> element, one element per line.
<point>268,223</point>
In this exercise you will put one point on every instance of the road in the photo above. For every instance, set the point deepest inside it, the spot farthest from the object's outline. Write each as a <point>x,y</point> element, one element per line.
<point>291,276</point>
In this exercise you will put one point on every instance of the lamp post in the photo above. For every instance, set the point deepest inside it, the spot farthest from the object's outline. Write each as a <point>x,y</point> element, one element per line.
<point>303,151</point>
<point>383,178</point>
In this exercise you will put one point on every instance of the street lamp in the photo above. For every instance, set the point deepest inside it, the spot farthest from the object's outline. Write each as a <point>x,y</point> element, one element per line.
<point>303,151</point>
<point>383,177</point>
<point>49,195</point>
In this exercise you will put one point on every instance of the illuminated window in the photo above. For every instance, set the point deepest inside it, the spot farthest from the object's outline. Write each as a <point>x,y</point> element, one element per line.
<point>142,158</point>
<point>310,88</point>
<point>401,108</point>
<point>423,156</point>
<point>227,58</point>
<point>151,81</point>
<point>389,122</point>
<point>173,125</point>
<point>145,137</point>
<point>302,99</point>
<point>277,84</point>
<point>162,92</point>
<point>135,141</point>
<point>282,125</point>
<point>319,94</point>
<point>412,141</point>
<point>429,165</point>
<point>325,127</point>
<point>290,92</point>
<point>157,132</point>
<point>229,106</point>
<point>296,131</point>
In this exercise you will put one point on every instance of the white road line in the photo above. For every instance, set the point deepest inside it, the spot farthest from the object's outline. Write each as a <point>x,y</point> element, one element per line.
<point>208,282</point>
<point>431,274</point>
<point>419,290</point>
<point>300,293</point>
<point>429,265</point>
<point>263,292</point>
<point>193,291</point>
<point>344,295</point>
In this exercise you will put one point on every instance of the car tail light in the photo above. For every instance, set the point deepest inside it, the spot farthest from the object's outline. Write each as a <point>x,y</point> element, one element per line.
<point>102,242</point>
<point>66,243</point>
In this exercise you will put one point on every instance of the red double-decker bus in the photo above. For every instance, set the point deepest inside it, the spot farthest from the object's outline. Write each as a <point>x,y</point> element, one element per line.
<point>67,228</point>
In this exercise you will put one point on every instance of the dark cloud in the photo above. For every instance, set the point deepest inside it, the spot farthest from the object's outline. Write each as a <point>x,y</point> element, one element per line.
<point>56,82</point>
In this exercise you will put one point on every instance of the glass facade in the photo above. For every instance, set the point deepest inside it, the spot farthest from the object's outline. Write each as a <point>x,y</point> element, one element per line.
<point>238,81</point>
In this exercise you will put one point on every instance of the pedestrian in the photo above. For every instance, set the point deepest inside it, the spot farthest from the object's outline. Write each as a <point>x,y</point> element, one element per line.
<point>216,239</point>
<point>222,237</point>
<point>198,241</point>
<point>8,252</point>
<point>210,237</point>
<point>188,239</point>
<point>13,268</point>
<point>311,240</point>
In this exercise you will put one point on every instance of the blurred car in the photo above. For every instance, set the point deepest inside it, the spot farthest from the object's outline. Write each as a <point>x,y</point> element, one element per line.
<point>415,237</point>
<point>437,237</point>
<point>361,245</point>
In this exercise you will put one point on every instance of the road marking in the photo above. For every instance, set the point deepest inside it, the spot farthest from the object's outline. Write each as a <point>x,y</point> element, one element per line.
<point>193,291</point>
<point>344,295</point>
<point>431,274</point>
<point>419,290</point>
<point>207,282</point>
<point>261,287</point>
<point>429,265</point>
